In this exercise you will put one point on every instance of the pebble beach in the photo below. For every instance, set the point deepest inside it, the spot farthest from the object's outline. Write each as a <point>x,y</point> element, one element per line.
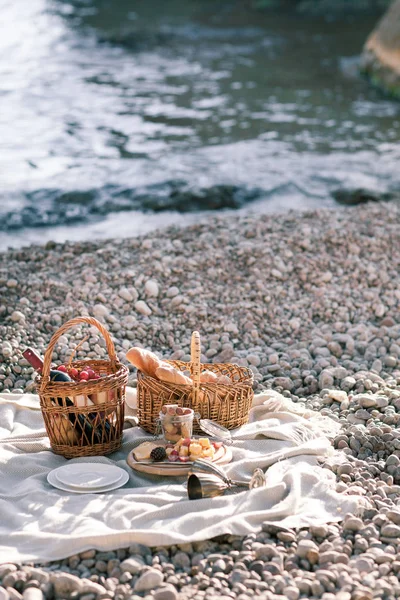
<point>310,302</point>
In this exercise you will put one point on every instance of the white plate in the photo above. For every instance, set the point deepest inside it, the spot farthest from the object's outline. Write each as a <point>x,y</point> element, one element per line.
<point>88,475</point>
<point>54,481</point>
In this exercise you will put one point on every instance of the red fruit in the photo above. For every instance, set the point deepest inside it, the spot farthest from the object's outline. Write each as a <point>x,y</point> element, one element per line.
<point>62,368</point>
<point>83,376</point>
<point>184,459</point>
<point>217,445</point>
<point>186,442</point>
<point>174,456</point>
<point>74,373</point>
<point>94,376</point>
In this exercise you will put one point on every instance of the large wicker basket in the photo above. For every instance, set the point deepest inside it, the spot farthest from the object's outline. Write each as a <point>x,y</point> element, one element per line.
<point>226,404</point>
<point>86,429</point>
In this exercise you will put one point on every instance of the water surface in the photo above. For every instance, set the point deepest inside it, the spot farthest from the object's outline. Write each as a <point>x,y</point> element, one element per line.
<point>109,109</point>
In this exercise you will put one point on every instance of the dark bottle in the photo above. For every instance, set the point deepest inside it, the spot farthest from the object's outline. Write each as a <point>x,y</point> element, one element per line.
<point>81,423</point>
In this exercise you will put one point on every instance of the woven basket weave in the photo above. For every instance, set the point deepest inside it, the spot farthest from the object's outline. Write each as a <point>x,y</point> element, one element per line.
<point>90,429</point>
<point>226,404</point>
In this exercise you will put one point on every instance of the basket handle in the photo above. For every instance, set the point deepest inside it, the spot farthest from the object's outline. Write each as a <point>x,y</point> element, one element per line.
<point>195,354</point>
<point>62,330</point>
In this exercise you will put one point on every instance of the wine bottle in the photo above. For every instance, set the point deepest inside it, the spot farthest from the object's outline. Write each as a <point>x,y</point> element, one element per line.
<point>80,422</point>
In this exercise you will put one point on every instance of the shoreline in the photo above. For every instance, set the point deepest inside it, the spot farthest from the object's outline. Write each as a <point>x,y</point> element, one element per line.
<point>311,303</point>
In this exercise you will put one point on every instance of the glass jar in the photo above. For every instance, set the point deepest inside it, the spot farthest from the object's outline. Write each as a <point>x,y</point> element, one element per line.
<point>176,422</point>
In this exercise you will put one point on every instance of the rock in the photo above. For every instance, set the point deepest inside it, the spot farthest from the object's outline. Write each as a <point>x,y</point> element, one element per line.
<point>14,594</point>
<point>365,401</point>
<point>325,380</point>
<point>32,593</point>
<point>149,580</point>
<point>353,524</point>
<point>380,59</point>
<point>352,197</point>
<point>151,288</point>
<point>143,308</point>
<point>4,595</point>
<point>100,311</point>
<point>132,565</point>
<point>338,395</point>
<point>17,316</point>
<point>304,547</point>
<point>166,592</point>
<point>6,568</point>
<point>172,291</point>
<point>394,515</point>
<point>125,294</point>
<point>390,530</point>
<point>91,587</point>
<point>291,592</point>
<point>65,583</point>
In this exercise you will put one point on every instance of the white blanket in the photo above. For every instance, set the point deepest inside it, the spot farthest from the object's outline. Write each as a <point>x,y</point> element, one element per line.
<point>41,523</point>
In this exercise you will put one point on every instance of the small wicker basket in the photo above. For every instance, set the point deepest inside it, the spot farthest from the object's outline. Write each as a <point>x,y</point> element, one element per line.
<point>83,428</point>
<point>226,404</point>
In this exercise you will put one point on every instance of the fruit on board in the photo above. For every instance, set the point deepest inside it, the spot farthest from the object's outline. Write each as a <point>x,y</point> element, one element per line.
<point>143,451</point>
<point>158,454</point>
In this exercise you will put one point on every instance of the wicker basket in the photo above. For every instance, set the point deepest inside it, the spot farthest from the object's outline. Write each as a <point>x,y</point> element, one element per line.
<point>88,429</point>
<point>226,404</point>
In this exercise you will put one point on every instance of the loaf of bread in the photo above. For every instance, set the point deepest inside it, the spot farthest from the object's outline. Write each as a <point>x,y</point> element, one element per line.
<point>224,380</point>
<point>171,375</point>
<point>144,360</point>
<point>208,377</point>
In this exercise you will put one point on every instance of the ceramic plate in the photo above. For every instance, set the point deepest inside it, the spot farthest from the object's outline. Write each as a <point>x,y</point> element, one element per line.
<point>175,469</point>
<point>55,482</point>
<point>88,475</point>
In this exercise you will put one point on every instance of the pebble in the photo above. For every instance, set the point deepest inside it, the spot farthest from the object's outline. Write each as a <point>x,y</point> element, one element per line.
<point>143,308</point>
<point>132,565</point>
<point>167,592</point>
<point>149,580</point>
<point>151,288</point>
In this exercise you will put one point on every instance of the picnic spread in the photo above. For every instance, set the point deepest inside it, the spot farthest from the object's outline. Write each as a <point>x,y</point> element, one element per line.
<point>189,455</point>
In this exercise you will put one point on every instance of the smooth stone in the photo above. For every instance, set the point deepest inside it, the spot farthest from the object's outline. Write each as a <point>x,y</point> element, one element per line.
<point>394,515</point>
<point>365,401</point>
<point>65,583</point>
<point>32,593</point>
<point>353,524</point>
<point>125,294</point>
<point>100,311</point>
<point>151,288</point>
<point>304,546</point>
<point>149,580</point>
<point>132,565</point>
<point>143,308</point>
<point>167,592</point>
<point>17,316</point>
<point>7,568</point>
<point>4,595</point>
<point>338,395</point>
<point>390,530</point>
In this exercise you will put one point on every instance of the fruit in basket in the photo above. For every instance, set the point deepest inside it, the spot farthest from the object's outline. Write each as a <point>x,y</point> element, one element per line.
<point>158,454</point>
<point>72,372</point>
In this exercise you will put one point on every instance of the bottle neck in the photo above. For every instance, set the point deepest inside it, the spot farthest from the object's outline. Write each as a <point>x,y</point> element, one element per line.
<point>33,359</point>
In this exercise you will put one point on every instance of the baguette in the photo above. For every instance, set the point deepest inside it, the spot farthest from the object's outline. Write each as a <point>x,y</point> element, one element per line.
<point>144,360</point>
<point>208,377</point>
<point>171,375</point>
